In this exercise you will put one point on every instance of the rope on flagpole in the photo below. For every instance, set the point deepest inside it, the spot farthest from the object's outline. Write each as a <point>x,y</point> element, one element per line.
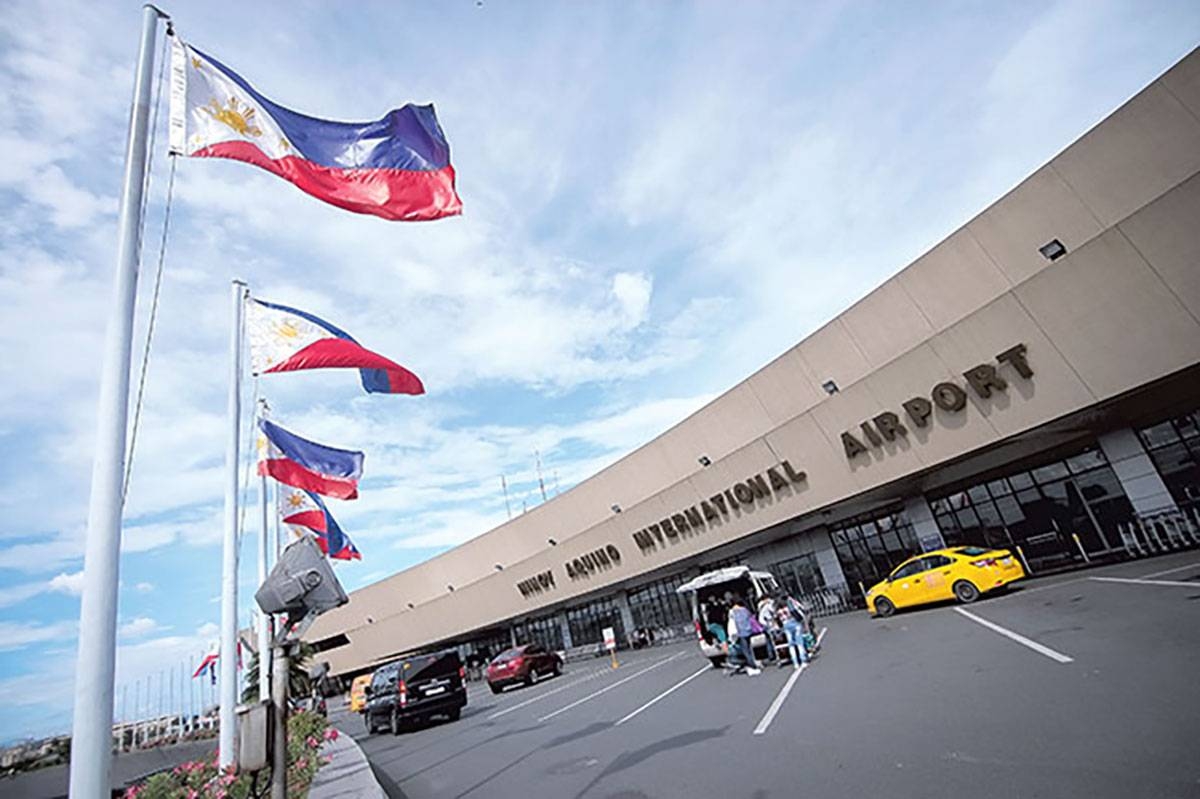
<point>162,252</point>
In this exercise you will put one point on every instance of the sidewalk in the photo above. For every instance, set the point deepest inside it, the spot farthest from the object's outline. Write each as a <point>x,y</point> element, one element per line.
<point>348,775</point>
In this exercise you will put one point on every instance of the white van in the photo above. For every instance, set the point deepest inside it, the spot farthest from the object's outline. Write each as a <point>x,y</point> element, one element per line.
<point>705,590</point>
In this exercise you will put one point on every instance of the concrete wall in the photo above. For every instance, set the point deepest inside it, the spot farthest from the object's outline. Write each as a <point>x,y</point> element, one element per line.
<point>1121,309</point>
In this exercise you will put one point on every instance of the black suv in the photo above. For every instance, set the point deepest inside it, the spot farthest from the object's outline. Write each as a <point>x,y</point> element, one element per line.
<point>416,687</point>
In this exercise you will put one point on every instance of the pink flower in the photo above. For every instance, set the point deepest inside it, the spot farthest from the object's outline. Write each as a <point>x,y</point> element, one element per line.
<point>302,764</point>
<point>331,734</point>
<point>312,742</point>
<point>327,759</point>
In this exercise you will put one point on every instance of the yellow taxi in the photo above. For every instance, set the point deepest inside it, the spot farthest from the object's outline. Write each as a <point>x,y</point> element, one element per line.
<point>961,573</point>
<point>358,693</point>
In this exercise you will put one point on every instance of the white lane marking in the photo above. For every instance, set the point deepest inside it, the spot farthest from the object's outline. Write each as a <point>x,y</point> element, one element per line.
<point>1170,571</point>
<point>664,694</point>
<point>520,705</point>
<point>608,688</point>
<point>1020,639</point>
<point>779,700</point>
<point>782,696</point>
<point>1144,581</point>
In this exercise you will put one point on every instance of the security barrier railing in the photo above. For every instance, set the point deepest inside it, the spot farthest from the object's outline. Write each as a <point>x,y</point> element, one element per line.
<point>1168,530</point>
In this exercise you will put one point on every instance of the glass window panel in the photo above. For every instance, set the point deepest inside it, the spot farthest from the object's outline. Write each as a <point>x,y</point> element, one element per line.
<point>1172,458</point>
<point>1020,480</point>
<point>1050,473</point>
<point>1158,435</point>
<point>1010,511</point>
<point>1189,425</point>
<point>978,494</point>
<point>1098,485</point>
<point>1086,461</point>
<point>999,488</point>
<point>967,519</point>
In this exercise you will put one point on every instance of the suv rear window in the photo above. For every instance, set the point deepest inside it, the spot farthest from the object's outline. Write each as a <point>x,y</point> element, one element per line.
<point>428,667</point>
<point>509,654</point>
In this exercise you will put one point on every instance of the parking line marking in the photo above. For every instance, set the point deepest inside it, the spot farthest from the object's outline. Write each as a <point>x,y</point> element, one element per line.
<point>782,696</point>
<point>608,688</point>
<point>1170,571</point>
<point>543,695</point>
<point>1144,581</point>
<point>1020,639</point>
<point>779,700</point>
<point>664,694</point>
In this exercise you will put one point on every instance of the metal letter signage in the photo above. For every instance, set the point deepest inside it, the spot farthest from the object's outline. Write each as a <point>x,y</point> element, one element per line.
<point>536,584</point>
<point>984,379</point>
<point>773,482</point>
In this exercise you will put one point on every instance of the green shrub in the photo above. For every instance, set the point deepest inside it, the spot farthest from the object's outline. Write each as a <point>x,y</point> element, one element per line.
<point>200,779</point>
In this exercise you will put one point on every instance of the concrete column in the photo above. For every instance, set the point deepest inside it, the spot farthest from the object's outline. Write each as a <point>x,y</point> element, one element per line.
<point>626,613</point>
<point>512,635</point>
<point>566,630</point>
<point>831,568</point>
<point>929,535</point>
<point>1139,479</point>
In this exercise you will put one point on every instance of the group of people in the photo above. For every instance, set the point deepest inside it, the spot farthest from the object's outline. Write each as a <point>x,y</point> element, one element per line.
<point>781,619</point>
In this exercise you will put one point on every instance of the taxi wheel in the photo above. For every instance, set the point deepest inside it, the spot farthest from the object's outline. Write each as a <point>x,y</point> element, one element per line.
<point>884,607</point>
<point>965,592</point>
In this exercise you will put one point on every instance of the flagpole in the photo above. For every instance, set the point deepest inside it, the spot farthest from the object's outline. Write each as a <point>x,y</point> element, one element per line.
<point>227,718</point>
<point>91,729</point>
<point>264,631</point>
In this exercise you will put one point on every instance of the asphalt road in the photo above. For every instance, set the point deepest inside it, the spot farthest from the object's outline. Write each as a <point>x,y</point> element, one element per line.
<point>1096,695</point>
<point>51,783</point>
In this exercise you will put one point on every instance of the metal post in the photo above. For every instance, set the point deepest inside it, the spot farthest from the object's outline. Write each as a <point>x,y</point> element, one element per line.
<point>264,631</point>
<point>1079,546</point>
<point>227,714</point>
<point>279,706</point>
<point>137,706</point>
<point>91,729</point>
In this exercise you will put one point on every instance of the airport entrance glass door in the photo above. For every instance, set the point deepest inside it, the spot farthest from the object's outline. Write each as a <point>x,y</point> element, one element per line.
<point>1043,511</point>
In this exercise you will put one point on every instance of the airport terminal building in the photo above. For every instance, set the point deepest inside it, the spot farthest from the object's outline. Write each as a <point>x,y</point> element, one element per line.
<point>1032,381</point>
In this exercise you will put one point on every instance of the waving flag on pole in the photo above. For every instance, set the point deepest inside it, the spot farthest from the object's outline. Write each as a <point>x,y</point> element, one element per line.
<point>284,339</point>
<point>305,513</point>
<point>298,462</point>
<point>397,167</point>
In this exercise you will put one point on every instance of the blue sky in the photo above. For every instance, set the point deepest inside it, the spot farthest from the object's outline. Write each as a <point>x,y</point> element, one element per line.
<point>659,198</point>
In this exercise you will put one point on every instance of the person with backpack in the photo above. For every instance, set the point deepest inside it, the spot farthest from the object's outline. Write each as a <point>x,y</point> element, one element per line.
<point>741,628</point>
<point>791,618</point>
<point>770,626</point>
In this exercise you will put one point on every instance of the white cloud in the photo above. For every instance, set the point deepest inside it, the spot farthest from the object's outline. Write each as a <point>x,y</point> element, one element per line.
<point>144,588</point>
<point>19,635</point>
<point>139,627</point>
<point>65,583</point>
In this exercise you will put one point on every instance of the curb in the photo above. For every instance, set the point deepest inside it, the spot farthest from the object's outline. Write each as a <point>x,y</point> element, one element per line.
<point>348,775</point>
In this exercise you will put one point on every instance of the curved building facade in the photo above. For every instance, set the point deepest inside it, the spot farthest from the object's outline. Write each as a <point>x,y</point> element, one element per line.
<point>1032,381</point>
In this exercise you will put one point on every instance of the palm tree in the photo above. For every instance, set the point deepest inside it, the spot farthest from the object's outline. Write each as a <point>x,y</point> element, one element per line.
<point>298,682</point>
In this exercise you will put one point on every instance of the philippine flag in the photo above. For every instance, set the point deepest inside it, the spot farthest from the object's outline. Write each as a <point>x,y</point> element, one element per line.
<point>298,462</point>
<point>305,513</point>
<point>397,167</point>
<point>284,339</point>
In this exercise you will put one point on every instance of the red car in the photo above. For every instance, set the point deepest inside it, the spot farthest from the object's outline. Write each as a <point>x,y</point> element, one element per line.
<point>522,664</point>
